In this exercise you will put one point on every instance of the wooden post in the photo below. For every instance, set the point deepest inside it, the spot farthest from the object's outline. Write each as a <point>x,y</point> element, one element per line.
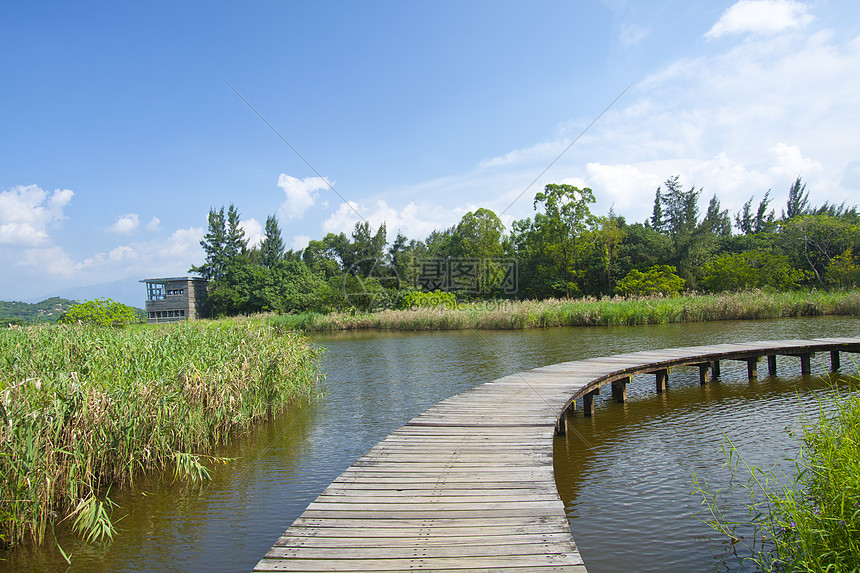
<point>715,369</point>
<point>771,364</point>
<point>805,364</point>
<point>662,380</point>
<point>619,390</point>
<point>588,403</point>
<point>703,372</point>
<point>834,361</point>
<point>752,368</point>
<point>561,423</point>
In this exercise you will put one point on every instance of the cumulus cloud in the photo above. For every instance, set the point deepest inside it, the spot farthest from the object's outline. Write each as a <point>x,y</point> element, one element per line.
<point>26,211</point>
<point>411,220</point>
<point>154,224</point>
<point>253,232</point>
<point>301,194</point>
<point>125,224</point>
<point>761,17</point>
<point>300,242</point>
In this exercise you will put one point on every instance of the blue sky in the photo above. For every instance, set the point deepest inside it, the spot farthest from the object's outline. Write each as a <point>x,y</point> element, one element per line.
<point>121,130</point>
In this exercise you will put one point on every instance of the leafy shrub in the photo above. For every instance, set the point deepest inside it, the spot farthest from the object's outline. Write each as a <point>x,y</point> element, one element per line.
<point>100,312</point>
<point>659,279</point>
<point>436,299</point>
<point>749,270</point>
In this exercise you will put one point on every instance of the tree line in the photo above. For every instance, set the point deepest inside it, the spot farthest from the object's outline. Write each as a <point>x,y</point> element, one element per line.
<point>563,250</point>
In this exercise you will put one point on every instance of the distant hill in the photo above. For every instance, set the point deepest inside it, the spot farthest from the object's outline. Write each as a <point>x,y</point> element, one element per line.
<point>49,310</point>
<point>127,291</point>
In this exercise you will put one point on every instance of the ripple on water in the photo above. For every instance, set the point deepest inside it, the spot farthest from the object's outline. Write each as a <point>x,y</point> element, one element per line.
<point>627,474</point>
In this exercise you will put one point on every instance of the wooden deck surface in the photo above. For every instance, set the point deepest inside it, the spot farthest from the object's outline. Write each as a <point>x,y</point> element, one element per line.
<point>468,485</point>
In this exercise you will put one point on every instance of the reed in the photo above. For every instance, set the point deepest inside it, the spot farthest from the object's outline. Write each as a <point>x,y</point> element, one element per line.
<point>85,407</point>
<point>807,521</point>
<point>506,315</point>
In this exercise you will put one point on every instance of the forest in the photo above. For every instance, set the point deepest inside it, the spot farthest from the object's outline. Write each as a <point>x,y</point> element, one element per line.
<point>563,251</point>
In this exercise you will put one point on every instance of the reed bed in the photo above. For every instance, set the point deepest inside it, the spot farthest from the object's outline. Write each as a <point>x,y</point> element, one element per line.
<point>507,315</point>
<point>84,408</point>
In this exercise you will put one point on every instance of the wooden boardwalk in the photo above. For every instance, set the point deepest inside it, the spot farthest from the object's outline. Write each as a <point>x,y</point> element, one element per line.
<point>468,485</point>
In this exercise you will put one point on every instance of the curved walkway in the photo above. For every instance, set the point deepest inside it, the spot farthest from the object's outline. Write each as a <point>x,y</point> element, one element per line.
<point>468,485</point>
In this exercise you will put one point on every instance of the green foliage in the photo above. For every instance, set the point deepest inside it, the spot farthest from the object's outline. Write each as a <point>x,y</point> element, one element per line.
<point>100,312</point>
<point>272,246</point>
<point>424,300</point>
<point>564,250</point>
<point>85,407</point>
<point>751,269</point>
<point>844,270</point>
<point>49,310</point>
<point>813,241</point>
<point>659,279</point>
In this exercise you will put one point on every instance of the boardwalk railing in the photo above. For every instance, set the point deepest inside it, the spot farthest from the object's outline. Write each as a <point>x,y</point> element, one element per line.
<point>468,484</point>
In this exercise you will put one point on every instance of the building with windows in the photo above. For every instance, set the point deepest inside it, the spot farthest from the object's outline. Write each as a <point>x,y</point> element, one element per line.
<point>173,299</point>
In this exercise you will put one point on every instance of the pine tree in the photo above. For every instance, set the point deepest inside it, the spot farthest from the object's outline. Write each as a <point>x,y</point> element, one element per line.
<point>658,223</point>
<point>798,200</point>
<point>235,242</point>
<point>214,248</point>
<point>272,246</point>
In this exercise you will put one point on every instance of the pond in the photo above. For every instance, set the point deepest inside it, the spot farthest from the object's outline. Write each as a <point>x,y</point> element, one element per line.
<point>625,474</point>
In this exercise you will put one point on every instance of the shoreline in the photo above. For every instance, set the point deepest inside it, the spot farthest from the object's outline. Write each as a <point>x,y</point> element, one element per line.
<point>518,315</point>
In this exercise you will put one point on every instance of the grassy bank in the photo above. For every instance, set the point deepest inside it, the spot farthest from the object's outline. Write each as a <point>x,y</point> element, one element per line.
<point>84,408</point>
<point>506,315</point>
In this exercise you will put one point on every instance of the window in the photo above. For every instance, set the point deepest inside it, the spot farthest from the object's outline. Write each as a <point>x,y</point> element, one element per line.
<point>174,292</point>
<point>155,291</point>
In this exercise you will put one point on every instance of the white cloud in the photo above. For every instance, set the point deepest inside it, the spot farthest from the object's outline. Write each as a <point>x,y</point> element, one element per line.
<point>253,232</point>
<point>26,211</point>
<point>412,220</point>
<point>300,242</point>
<point>761,17</point>
<point>125,224</point>
<point>53,260</point>
<point>181,246</point>
<point>301,194</point>
<point>154,224</point>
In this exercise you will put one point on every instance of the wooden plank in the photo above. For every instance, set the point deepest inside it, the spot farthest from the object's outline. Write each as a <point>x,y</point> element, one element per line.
<point>468,484</point>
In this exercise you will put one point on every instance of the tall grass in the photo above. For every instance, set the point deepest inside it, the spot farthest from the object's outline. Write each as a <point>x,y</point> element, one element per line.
<point>86,407</point>
<point>809,521</point>
<point>506,315</point>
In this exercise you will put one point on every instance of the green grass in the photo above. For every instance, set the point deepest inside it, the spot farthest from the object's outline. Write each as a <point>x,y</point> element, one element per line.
<point>506,315</point>
<point>809,521</point>
<point>84,408</point>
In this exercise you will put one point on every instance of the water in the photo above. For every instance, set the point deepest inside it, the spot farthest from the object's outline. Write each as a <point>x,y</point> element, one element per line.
<point>624,474</point>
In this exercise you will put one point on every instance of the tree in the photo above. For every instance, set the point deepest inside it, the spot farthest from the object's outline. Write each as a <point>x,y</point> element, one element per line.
<point>562,230</point>
<point>235,242</point>
<point>682,209</point>
<point>815,240</point>
<point>214,247</point>
<point>659,279</point>
<point>609,237</point>
<point>843,271</point>
<point>798,200</point>
<point>717,221</point>
<point>658,221</point>
<point>750,269</point>
<point>272,246</point>
<point>762,221</point>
